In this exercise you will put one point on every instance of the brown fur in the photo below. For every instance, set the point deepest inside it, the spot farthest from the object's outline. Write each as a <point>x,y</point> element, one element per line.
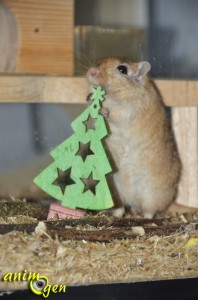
<point>141,140</point>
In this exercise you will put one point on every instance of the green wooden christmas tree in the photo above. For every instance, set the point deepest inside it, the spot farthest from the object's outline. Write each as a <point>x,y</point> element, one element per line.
<point>77,177</point>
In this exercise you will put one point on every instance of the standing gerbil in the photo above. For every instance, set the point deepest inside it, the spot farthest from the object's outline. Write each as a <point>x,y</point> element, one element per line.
<point>141,139</point>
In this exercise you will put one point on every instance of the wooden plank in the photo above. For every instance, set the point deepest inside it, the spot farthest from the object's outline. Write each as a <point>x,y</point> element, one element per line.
<point>100,229</point>
<point>179,92</point>
<point>43,89</point>
<point>185,128</point>
<point>57,89</point>
<point>100,236</point>
<point>46,35</point>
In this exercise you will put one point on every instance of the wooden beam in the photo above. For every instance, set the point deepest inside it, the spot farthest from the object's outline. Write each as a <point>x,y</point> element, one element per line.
<point>55,89</point>
<point>43,89</point>
<point>179,92</point>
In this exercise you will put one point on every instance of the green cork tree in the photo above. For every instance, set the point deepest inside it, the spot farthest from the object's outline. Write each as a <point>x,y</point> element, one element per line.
<point>77,176</point>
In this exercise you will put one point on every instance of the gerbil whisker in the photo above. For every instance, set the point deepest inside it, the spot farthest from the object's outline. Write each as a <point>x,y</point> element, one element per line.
<point>84,66</point>
<point>87,59</point>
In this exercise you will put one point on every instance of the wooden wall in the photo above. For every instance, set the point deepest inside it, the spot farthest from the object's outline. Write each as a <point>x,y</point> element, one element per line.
<point>45,35</point>
<point>185,124</point>
<point>8,39</point>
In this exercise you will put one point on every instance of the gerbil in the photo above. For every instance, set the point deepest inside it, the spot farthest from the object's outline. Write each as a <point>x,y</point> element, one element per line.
<point>141,140</point>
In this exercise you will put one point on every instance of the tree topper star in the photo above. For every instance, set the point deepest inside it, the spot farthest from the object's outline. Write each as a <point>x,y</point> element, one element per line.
<point>98,93</point>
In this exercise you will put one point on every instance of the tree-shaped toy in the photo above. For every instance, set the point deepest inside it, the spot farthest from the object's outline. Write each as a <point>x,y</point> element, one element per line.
<point>77,176</point>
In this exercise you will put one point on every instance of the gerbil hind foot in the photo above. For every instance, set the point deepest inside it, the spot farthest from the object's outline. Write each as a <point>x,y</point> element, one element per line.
<point>104,112</point>
<point>148,215</point>
<point>115,212</point>
<point>157,215</point>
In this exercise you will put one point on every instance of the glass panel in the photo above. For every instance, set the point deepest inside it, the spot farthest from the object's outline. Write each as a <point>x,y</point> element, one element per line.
<point>162,32</point>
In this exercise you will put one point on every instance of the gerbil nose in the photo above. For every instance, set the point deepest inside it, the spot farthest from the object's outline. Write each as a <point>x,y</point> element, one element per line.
<point>93,72</point>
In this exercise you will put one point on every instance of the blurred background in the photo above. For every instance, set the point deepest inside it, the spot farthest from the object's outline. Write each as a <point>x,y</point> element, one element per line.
<point>163,32</point>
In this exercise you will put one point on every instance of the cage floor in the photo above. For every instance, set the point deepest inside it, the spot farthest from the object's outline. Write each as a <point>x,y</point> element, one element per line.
<point>97,249</point>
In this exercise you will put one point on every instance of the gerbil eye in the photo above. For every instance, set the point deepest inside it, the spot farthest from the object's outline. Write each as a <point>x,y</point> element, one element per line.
<point>98,64</point>
<point>123,69</point>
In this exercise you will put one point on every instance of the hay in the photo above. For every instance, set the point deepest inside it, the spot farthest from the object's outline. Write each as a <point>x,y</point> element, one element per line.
<point>82,262</point>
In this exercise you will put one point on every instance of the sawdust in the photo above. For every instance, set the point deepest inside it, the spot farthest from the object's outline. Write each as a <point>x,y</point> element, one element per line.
<point>82,262</point>
<point>19,219</point>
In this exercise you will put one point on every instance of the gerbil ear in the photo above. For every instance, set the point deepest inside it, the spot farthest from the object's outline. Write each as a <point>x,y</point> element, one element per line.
<point>143,68</point>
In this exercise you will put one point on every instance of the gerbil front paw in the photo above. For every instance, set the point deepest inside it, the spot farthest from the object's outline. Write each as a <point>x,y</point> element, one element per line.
<point>104,112</point>
<point>88,99</point>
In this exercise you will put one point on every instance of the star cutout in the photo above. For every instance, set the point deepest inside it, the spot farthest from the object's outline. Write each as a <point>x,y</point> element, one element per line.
<point>90,123</point>
<point>90,184</point>
<point>64,179</point>
<point>84,150</point>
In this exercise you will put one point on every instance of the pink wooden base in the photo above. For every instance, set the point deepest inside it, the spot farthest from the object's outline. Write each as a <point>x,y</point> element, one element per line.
<point>64,212</point>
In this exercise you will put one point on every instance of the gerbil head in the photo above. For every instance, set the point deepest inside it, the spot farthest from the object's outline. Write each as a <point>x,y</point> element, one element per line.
<point>115,73</point>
